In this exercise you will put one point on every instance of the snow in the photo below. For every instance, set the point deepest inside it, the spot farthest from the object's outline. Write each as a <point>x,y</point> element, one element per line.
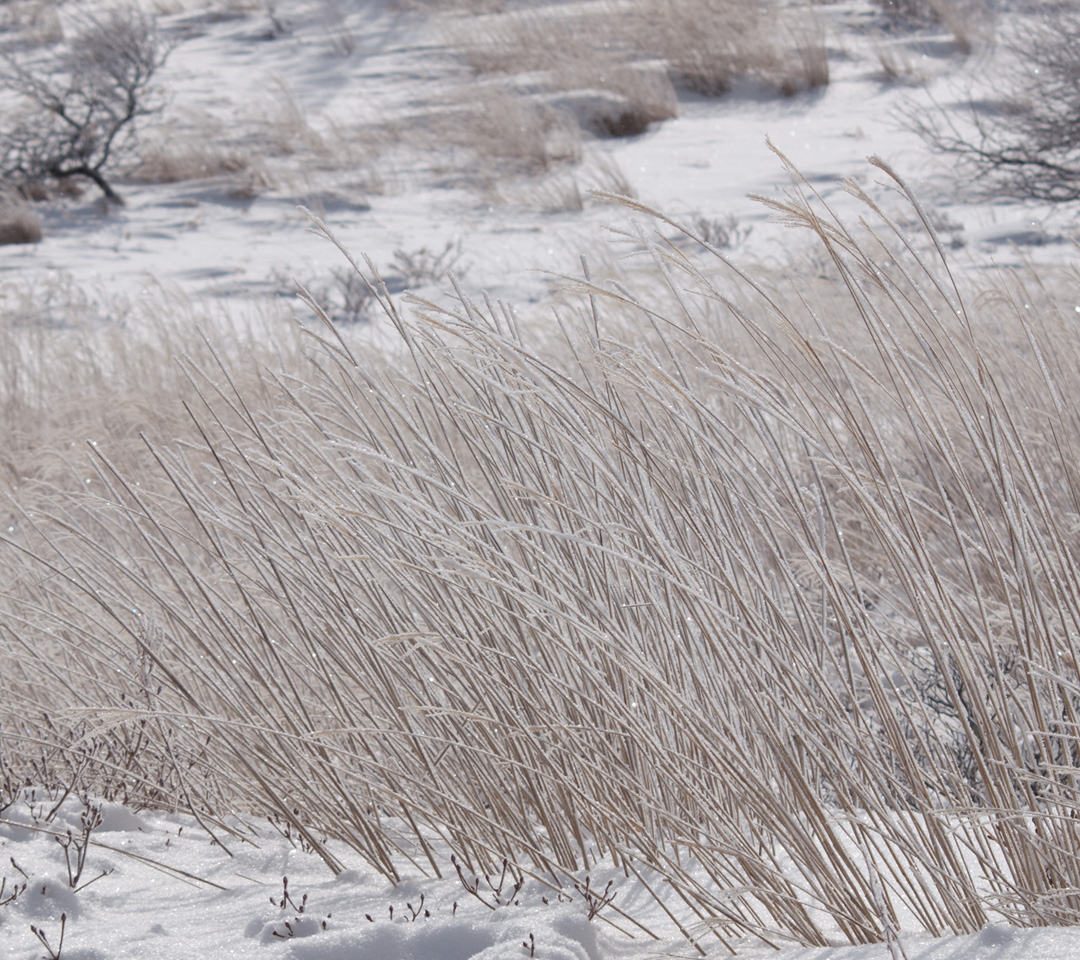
<point>156,884</point>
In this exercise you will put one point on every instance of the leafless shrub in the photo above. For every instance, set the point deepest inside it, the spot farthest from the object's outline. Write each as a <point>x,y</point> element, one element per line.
<point>19,221</point>
<point>1024,142</point>
<point>720,233</point>
<point>81,108</point>
<point>344,296</point>
<point>424,266</point>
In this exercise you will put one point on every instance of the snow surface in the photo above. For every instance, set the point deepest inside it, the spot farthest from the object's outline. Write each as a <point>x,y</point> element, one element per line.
<point>168,891</point>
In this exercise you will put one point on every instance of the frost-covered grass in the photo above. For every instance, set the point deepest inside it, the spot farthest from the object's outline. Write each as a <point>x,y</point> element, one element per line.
<point>759,594</point>
<point>743,595</point>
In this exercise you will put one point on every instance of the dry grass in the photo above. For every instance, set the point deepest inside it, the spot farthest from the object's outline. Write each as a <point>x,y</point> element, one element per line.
<point>174,162</point>
<point>564,191</point>
<point>740,589</point>
<point>19,221</point>
<point>183,159</point>
<point>73,369</point>
<point>705,46</point>
<point>971,22</point>
<point>709,44</point>
<point>561,193</point>
<point>285,129</point>
<point>898,65</point>
<point>451,6</point>
<point>336,24</point>
<point>570,59</point>
<point>26,24</point>
<point>616,100</point>
<point>498,133</point>
<point>528,41</point>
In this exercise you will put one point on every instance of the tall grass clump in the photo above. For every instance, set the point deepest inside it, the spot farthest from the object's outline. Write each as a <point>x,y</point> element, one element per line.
<point>766,595</point>
<point>709,44</point>
<point>19,221</point>
<point>969,21</point>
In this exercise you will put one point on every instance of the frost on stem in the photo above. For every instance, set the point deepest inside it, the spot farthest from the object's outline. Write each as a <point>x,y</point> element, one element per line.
<point>81,106</point>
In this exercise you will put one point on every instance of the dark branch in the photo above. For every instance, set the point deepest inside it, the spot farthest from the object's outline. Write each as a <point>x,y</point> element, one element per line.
<point>1025,144</point>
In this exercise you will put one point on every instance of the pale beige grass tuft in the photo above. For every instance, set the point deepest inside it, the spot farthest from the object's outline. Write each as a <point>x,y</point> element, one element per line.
<point>971,22</point>
<point>502,134</point>
<point>174,162</point>
<point>705,44</point>
<point>73,370</point>
<point>451,6</point>
<point>573,59</point>
<point>19,221</point>
<point>285,128</point>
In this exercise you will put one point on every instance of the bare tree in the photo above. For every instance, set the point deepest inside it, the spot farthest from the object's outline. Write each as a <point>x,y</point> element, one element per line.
<point>1025,141</point>
<point>81,108</point>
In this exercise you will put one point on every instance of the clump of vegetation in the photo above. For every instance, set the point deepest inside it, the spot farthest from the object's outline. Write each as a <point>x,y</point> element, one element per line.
<point>19,221</point>
<point>615,67</point>
<point>969,21</point>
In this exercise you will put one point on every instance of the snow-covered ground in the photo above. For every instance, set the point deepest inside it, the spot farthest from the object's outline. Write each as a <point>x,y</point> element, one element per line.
<point>320,108</point>
<point>323,114</point>
<point>157,886</point>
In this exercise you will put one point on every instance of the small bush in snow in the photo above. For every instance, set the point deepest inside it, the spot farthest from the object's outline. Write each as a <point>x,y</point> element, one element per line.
<point>19,222</point>
<point>82,106</point>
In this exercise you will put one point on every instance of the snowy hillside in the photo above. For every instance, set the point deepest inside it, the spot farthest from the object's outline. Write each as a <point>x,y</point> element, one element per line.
<point>348,109</point>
